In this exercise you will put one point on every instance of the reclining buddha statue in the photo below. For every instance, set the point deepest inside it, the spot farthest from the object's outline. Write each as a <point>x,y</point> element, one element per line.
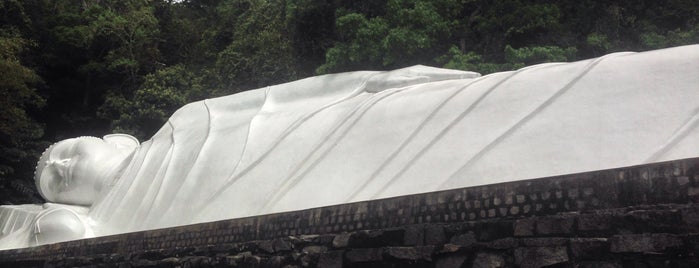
<point>365,135</point>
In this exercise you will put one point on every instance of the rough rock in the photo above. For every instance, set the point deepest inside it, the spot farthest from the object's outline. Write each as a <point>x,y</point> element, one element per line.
<point>490,260</point>
<point>540,256</point>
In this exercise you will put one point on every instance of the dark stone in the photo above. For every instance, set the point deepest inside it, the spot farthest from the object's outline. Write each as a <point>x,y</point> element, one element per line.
<point>387,237</point>
<point>113,258</point>
<point>450,261</point>
<point>224,248</point>
<point>524,227</point>
<point>690,217</point>
<point>589,248</point>
<point>251,261</point>
<point>653,220</point>
<point>434,235</point>
<point>490,260</point>
<point>325,239</point>
<point>150,255</point>
<point>231,260</point>
<point>266,245</point>
<point>341,240</point>
<point>540,256</point>
<point>449,248</point>
<point>308,260</point>
<point>494,229</point>
<point>330,259</point>
<point>414,235</point>
<point>281,245</point>
<point>692,242</point>
<point>410,253</point>
<point>138,263</point>
<point>504,243</point>
<point>466,240</point>
<point>314,249</point>
<point>273,262</point>
<point>364,255</point>
<point>308,238</point>
<point>169,262</point>
<point>599,264</point>
<point>199,251</point>
<point>594,222</point>
<point>644,242</point>
<point>544,241</point>
<point>555,225</point>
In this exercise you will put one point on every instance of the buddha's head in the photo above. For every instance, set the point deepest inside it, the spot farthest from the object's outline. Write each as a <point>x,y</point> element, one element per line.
<point>76,171</point>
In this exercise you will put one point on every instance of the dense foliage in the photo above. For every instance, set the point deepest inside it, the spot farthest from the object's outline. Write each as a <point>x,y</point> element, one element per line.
<point>90,67</point>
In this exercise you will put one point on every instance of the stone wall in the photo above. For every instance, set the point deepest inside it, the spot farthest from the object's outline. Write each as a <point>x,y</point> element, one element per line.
<point>625,217</point>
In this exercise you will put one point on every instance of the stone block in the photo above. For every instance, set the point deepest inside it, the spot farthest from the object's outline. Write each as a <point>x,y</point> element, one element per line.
<point>490,260</point>
<point>690,217</point>
<point>410,253</point>
<point>364,255</point>
<point>273,262</point>
<point>281,245</point>
<point>503,243</point>
<point>662,220</point>
<point>465,240</point>
<point>644,242</point>
<point>314,249</point>
<point>599,264</point>
<point>544,241</point>
<point>555,225</point>
<point>540,256</point>
<point>326,239</point>
<point>331,259</point>
<point>308,238</point>
<point>434,235</point>
<point>589,248</point>
<point>414,235</point>
<point>594,222</point>
<point>494,229</point>
<point>171,261</point>
<point>266,246</point>
<point>449,248</point>
<point>524,227</point>
<point>377,238</point>
<point>223,248</point>
<point>341,240</point>
<point>251,261</point>
<point>450,261</point>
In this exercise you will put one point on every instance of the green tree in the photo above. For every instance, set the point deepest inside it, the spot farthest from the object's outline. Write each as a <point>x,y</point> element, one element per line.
<point>538,54</point>
<point>514,58</point>
<point>132,29</point>
<point>19,132</point>
<point>161,94</point>
<point>410,32</point>
<point>260,53</point>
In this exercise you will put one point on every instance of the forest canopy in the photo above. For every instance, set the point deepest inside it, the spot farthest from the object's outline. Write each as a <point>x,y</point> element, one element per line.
<point>92,67</point>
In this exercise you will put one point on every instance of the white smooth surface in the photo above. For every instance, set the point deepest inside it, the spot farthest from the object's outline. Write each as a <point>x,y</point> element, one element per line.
<point>364,135</point>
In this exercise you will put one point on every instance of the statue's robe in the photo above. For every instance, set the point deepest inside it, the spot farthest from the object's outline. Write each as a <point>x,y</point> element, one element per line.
<point>365,135</point>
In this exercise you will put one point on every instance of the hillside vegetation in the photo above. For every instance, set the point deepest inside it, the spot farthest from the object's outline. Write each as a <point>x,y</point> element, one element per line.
<point>70,68</point>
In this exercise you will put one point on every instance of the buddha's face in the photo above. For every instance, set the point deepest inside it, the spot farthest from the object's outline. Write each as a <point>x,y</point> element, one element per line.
<point>75,171</point>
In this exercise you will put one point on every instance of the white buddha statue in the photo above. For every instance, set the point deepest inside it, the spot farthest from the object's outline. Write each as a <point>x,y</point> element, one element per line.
<point>71,174</point>
<point>364,135</point>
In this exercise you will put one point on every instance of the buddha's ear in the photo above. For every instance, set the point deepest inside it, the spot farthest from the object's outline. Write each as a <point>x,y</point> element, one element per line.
<point>122,141</point>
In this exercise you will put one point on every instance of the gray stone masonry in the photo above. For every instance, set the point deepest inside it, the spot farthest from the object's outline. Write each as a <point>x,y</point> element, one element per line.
<point>642,216</point>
